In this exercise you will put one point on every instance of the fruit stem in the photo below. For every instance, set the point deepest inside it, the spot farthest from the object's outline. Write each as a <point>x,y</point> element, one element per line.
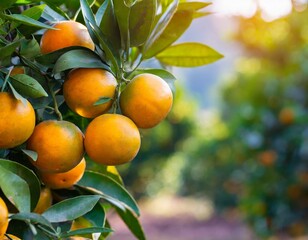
<point>53,95</point>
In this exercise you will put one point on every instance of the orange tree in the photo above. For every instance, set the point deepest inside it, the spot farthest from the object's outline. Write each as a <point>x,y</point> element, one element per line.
<point>74,94</point>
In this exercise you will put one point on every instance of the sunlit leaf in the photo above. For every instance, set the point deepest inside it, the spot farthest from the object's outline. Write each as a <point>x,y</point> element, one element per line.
<point>15,189</point>
<point>179,23</point>
<point>33,155</point>
<point>28,86</point>
<point>188,55</point>
<point>110,188</point>
<point>79,58</point>
<point>192,6</point>
<point>26,174</point>
<point>70,209</point>
<point>85,231</point>
<point>27,21</point>
<point>102,101</point>
<point>132,223</point>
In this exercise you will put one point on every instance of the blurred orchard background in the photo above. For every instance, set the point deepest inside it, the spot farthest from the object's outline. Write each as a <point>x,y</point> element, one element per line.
<point>231,160</point>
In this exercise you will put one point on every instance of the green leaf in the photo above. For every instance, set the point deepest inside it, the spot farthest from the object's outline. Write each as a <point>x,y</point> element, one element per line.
<point>164,74</point>
<point>33,218</point>
<point>192,6</point>
<point>30,48</point>
<point>70,209</point>
<point>179,23</point>
<point>4,4</point>
<point>97,35</point>
<point>34,12</point>
<point>85,231</point>
<point>141,17</point>
<point>8,49</point>
<point>161,23</point>
<point>188,55</point>
<point>132,223</point>
<point>27,21</point>
<point>121,11</point>
<point>108,24</point>
<point>109,188</point>
<point>96,216</point>
<point>15,189</point>
<point>102,100</point>
<point>26,174</point>
<point>28,86</point>
<point>32,154</point>
<point>17,95</point>
<point>80,58</point>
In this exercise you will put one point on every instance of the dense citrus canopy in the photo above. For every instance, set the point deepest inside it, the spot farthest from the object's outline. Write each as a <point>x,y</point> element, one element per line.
<point>45,201</point>
<point>4,220</point>
<point>147,100</point>
<point>84,87</point>
<point>66,34</point>
<point>59,145</point>
<point>17,121</point>
<point>65,179</point>
<point>112,139</point>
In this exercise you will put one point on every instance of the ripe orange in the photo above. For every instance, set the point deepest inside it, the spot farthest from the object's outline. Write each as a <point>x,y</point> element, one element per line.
<point>17,70</point>
<point>286,116</point>
<point>59,145</point>
<point>4,220</point>
<point>17,121</point>
<point>11,237</point>
<point>45,201</point>
<point>68,34</point>
<point>147,100</point>
<point>268,158</point>
<point>65,179</point>
<point>84,87</point>
<point>112,139</point>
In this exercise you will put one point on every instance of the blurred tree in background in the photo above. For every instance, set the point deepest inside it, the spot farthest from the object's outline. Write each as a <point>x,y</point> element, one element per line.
<point>253,152</point>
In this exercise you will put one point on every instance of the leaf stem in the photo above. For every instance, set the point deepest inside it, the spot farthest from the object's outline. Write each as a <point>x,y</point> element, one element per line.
<point>6,78</point>
<point>53,95</point>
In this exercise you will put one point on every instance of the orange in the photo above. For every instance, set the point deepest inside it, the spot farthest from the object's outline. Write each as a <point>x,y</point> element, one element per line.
<point>84,87</point>
<point>11,237</point>
<point>268,158</point>
<point>66,179</point>
<point>17,70</point>
<point>286,116</point>
<point>147,100</point>
<point>17,121</point>
<point>68,34</point>
<point>112,139</point>
<point>59,145</point>
<point>4,220</point>
<point>45,201</point>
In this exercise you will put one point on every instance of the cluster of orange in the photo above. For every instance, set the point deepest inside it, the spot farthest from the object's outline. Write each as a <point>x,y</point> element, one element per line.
<point>110,139</point>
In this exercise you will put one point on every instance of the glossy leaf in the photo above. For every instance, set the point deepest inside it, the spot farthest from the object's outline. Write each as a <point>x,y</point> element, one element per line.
<point>188,55</point>
<point>17,95</point>
<point>79,58</point>
<point>102,101</point>
<point>26,174</point>
<point>160,24</point>
<point>96,216</point>
<point>110,188</point>
<point>27,21</point>
<point>96,34</point>
<point>35,12</point>
<point>84,231</point>
<point>8,49</point>
<point>33,155</point>
<point>141,17</point>
<point>33,218</point>
<point>108,24</point>
<point>70,209</point>
<point>132,223</point>
<point>15,189</point>
<point>28,86</point>
<point>30,48</point>
<point>121,11</point>
<point>179,23</point>
<point>192,6</point>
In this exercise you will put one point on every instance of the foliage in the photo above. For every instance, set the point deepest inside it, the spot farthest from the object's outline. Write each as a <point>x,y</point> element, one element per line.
<point>126,34</point>
<point>259,163</point>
